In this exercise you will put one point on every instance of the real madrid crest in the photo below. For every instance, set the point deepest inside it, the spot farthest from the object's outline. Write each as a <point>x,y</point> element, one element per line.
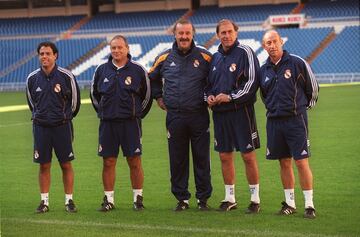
<point>287,73</point>
<point>232,67</point>
<point>128,80</point>
<point>196,63</point>
<point>57,88</point>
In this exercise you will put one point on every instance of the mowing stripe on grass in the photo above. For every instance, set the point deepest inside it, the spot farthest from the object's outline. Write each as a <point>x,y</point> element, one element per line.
<point>14,124</point>
<point>245,232</point>
<point>88,101</point>
<point>11,108</point>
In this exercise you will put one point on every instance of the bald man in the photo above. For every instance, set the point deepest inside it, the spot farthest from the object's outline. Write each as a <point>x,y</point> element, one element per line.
<point>288,89</point>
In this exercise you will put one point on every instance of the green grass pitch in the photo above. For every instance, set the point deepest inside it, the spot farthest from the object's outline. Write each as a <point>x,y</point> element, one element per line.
<point>335,146</point>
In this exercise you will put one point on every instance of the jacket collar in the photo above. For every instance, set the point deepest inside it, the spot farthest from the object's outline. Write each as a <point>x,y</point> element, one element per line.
<point>176,48</point>
<point>51,73</point>
<point>112,64</point>
<point>221,50</point>
<point>285,57</point>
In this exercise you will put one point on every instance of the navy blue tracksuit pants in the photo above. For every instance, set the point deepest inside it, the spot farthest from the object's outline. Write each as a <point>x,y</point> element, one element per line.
<point>186,129</point>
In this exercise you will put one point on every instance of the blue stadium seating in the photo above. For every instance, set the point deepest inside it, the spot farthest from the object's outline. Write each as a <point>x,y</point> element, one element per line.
<point>338,57</point>
<point>147,43</point>
<point>342,55</point>
<point>331,8</point>
<point>15,49</point>
<point>110,22</point>
<point>37,25</point>
<point>299,41</point>
<point>303,42</point>
<point>69,51</point>
<point>210,15</point>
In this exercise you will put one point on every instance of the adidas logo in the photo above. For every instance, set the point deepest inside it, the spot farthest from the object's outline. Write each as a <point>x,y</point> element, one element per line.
<point>254,135</point>
<point>267,151</point>
<point>106,80</point>
<point>137,150</point>
<point>266,79</point>
<point>172,64</point>
<point>38,89</point>
<point>214,68</point>
<point>71,154</point>
<point>304,153</point>
<point>248,146</point>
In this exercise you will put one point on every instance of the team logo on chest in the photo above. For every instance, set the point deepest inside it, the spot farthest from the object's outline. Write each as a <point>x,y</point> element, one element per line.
<point>287,73</point>
<point>57,88</point>
<point>128,80</point>
<point>232,67</point>
<point>196,63</point>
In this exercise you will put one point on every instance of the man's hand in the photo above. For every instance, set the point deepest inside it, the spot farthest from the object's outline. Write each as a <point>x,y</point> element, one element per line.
<point>160,103</point>
<point>222,98</point>
<point>211,101</point>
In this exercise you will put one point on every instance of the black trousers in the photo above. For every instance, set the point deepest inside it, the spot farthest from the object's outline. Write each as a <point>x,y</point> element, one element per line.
<point>185,130</point>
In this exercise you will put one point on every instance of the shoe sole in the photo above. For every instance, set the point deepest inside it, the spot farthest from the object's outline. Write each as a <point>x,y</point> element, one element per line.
<point>41,212</point>
<point>252,212</point>
<point>138,209</point>
<point>309,217</point>
<point>71,211</point>
<point>234,207</point>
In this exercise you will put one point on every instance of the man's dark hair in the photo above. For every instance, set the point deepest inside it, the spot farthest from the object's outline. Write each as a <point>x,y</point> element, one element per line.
<point>183,22</point>
<point>236,27</point>
<point>48,44</point>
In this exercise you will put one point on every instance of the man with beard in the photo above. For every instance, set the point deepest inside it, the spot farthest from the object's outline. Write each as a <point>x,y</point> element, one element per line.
<point>178,79</point>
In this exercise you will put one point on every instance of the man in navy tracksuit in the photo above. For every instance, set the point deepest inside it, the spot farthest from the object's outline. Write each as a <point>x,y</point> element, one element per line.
<point>288,89</point>
<point>54,100</point>
<point>120,94</point>
<point>231,94</point>
<point>178,78</point>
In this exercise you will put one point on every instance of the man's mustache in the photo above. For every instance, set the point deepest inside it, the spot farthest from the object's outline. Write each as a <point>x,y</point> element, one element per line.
<point>184,39</point>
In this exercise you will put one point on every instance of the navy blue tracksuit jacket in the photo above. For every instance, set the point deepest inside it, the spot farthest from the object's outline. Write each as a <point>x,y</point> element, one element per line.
<point>288,88</point>
<point>180,79</point>
<point>53,99</point>
<point>123,93</point>
<point>235,73</point>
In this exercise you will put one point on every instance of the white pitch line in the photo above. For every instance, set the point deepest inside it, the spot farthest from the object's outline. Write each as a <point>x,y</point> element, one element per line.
<point>245,232</point>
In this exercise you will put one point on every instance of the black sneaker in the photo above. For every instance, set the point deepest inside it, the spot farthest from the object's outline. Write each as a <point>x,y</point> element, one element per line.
<point>253,208</point>
<point>106,206</point>
<point>309,213</point>
<point>286,209</point>
<point>42,208</point>
<point>227,206</point>
<point>138,205</point>
<point>203,206</point>
<point>70,207</point>
<point>181,206</point>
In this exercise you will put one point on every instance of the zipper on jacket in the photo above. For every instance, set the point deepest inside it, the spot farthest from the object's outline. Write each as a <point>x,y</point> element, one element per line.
<point>133,100</point>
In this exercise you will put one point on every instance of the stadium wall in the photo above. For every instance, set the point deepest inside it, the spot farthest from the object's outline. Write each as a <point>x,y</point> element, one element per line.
<point>47,11</point>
